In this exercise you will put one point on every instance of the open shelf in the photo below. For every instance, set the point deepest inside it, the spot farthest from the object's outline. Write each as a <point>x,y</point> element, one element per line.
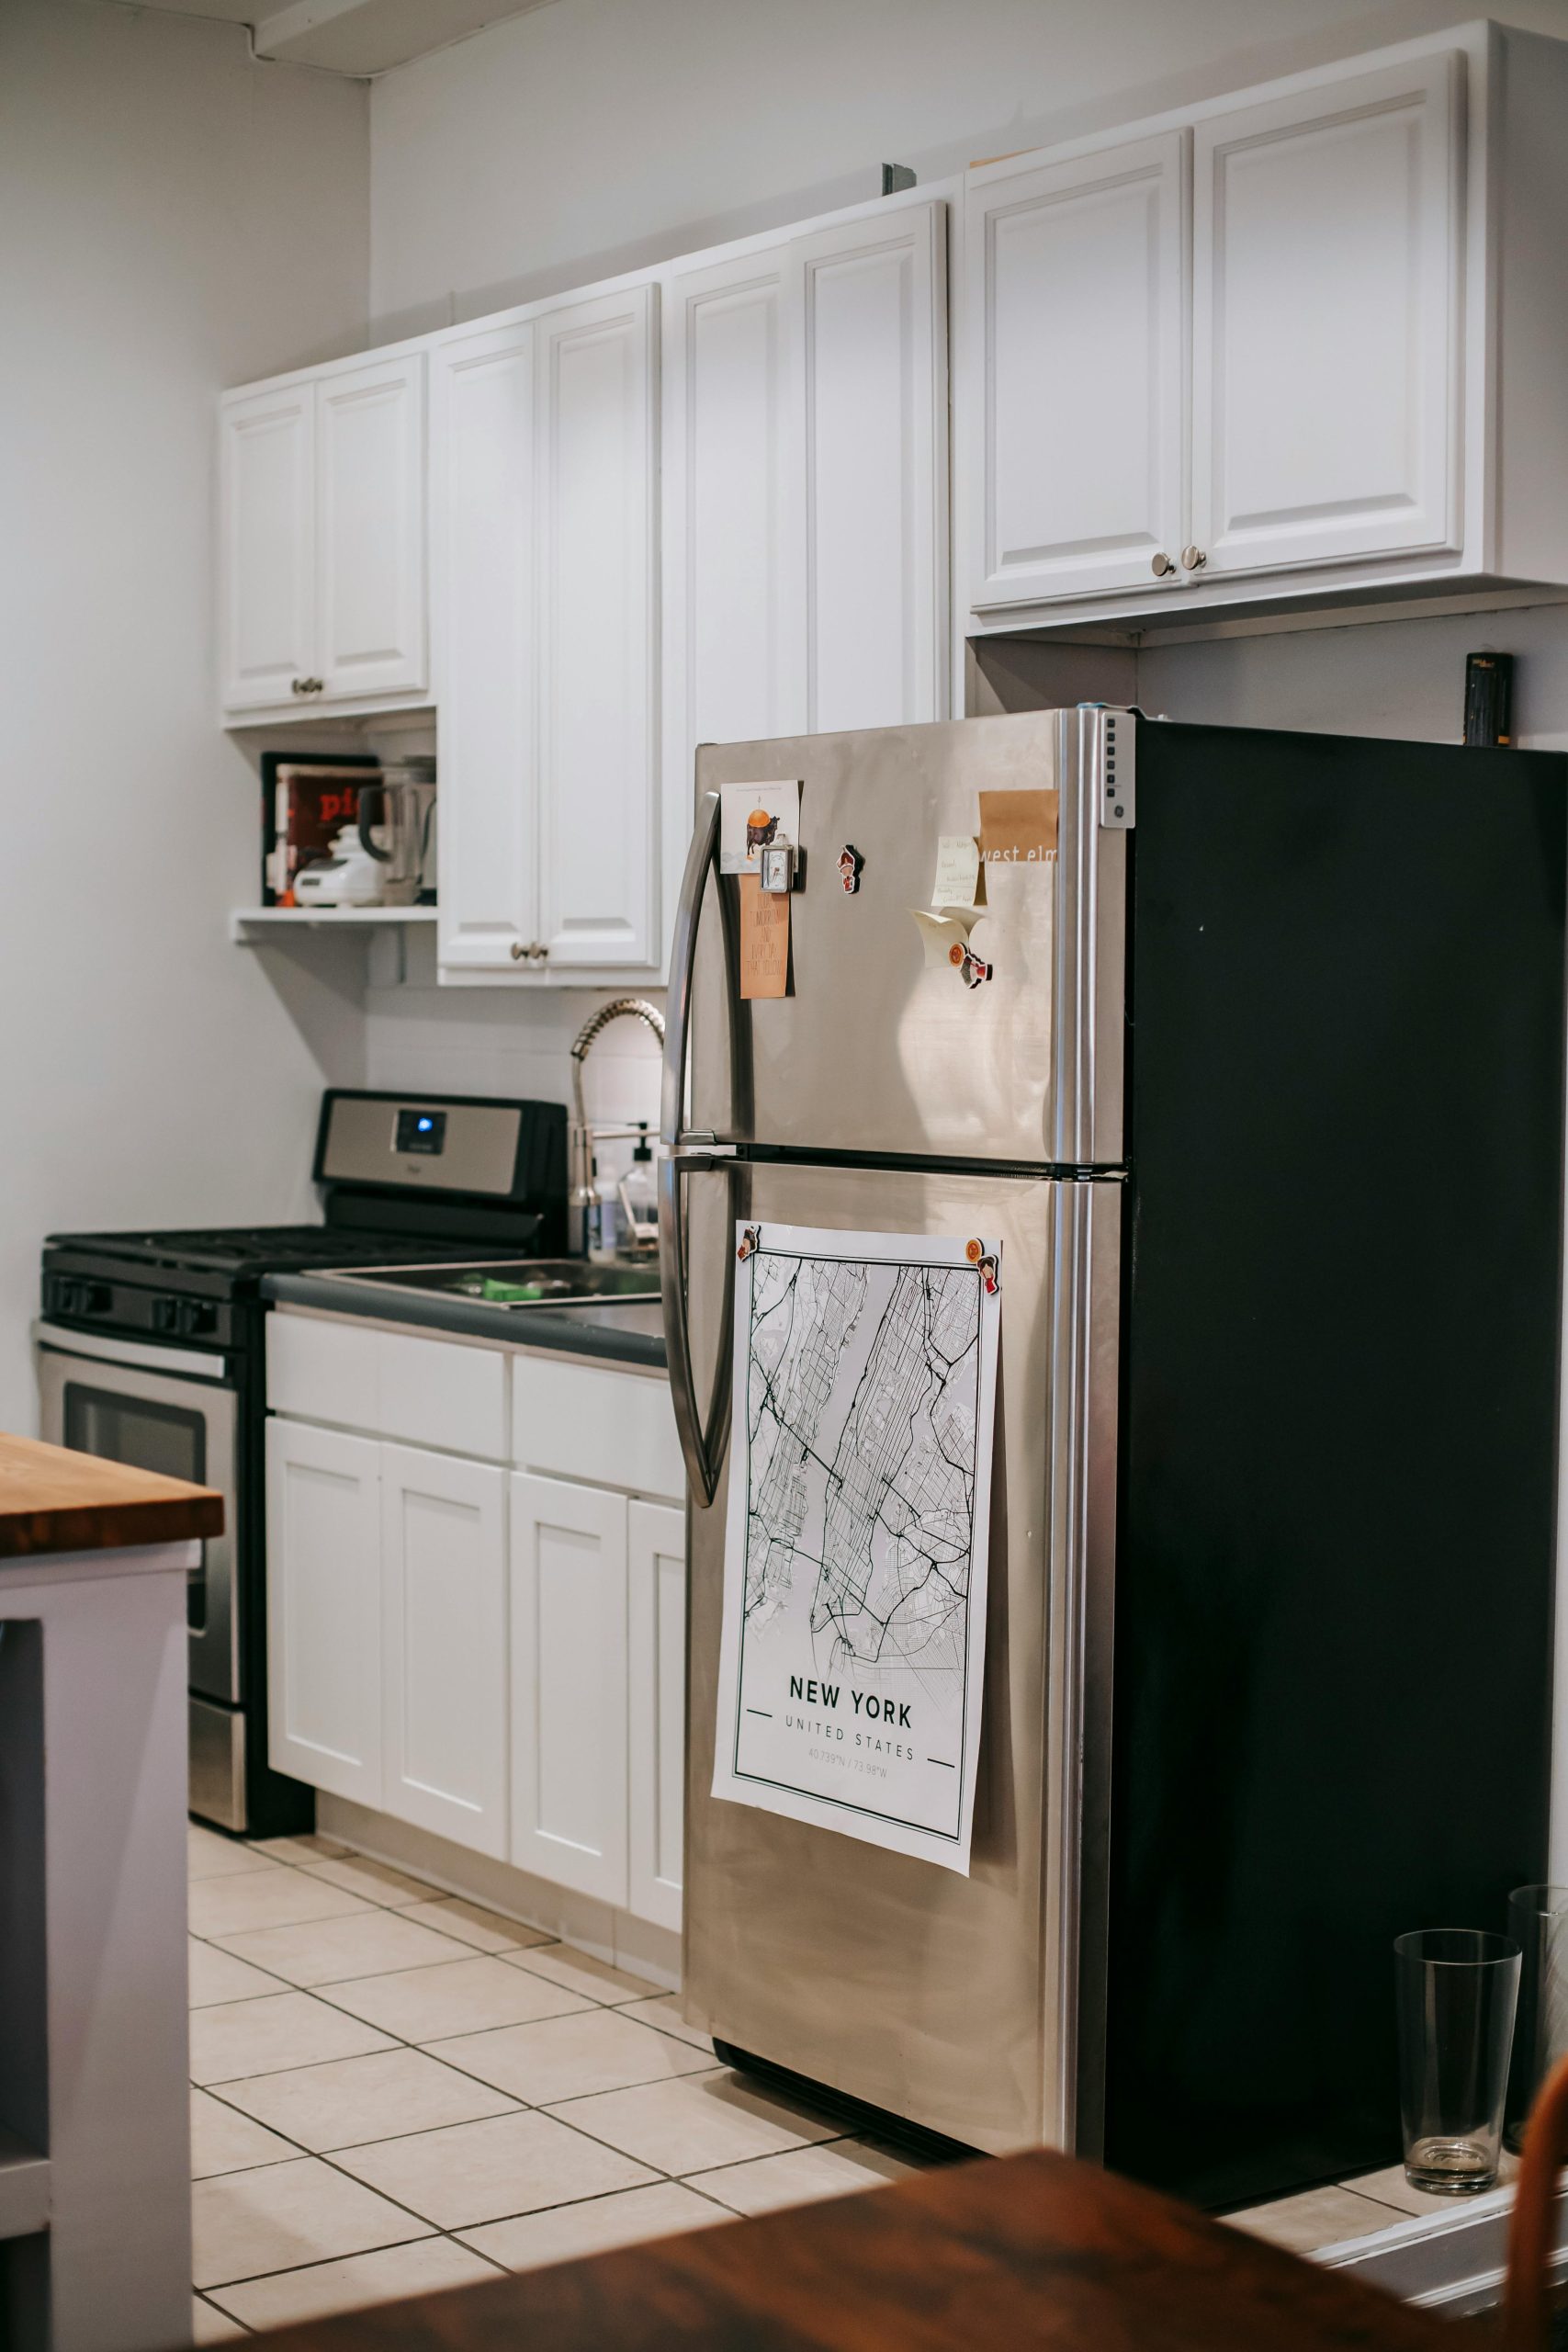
<point>245,921</point>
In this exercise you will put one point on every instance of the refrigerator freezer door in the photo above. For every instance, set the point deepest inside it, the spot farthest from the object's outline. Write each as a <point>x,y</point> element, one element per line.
<point>954,2002</point>
<point>880,1046</point>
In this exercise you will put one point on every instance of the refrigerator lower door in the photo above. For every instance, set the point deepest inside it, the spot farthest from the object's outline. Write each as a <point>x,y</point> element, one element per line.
<point>972,2006</point>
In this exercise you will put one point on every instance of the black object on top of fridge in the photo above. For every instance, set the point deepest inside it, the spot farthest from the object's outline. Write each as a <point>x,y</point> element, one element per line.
<point>1260,1084</point>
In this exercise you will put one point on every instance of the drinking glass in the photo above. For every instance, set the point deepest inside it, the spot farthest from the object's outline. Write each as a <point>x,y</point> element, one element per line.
<point>1457,1988</point>
<point>1538,1922</point>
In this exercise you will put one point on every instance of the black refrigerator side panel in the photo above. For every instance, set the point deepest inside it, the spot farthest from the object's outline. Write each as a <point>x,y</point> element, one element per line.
<point>1334,1608</point>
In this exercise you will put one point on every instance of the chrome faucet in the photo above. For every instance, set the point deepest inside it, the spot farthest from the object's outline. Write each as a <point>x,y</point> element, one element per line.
<point>582,1196</point>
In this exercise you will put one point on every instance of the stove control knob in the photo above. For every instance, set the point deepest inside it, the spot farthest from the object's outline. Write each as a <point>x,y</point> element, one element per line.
<point>196,1318</point>
<point>165,1315</point>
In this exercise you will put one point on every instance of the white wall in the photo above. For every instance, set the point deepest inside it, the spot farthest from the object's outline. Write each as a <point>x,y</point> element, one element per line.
<point>172,219</point>
<point>601,134</point>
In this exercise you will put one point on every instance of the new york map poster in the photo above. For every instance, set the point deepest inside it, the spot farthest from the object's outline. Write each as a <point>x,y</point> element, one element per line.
<point>855,1549</point>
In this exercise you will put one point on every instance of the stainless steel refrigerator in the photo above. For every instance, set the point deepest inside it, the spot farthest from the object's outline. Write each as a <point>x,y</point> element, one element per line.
<point>1259,1083</point>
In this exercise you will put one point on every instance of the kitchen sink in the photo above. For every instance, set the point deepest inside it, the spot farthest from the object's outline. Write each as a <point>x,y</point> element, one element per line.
<point>519,1282</point>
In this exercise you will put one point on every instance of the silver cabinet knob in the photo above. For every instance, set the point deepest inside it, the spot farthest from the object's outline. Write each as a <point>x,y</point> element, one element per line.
<point>305,686</point>
<point>1161,564</point>
<point>296,686</point>
<point>518,951</point>
<point>538,953</point>
<point>1194,558</point>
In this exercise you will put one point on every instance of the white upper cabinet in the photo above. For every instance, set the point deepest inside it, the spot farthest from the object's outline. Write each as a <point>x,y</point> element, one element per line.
<point>268,618</point>
<point>595,481</point>
<point>481,440</point>
<point>322,561</point>
<point>1306,341</point>
<point>370,529</point>
<point>542,469</point>
<point>1326,294</point>
<point>804,487</point>
<point>1078,272</point>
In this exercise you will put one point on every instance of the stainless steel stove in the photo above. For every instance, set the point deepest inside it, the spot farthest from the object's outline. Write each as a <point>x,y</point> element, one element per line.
<point>150,1348</point>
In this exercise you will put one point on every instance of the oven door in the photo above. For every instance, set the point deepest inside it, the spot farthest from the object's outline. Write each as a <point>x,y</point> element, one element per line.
<point>102,1395</point>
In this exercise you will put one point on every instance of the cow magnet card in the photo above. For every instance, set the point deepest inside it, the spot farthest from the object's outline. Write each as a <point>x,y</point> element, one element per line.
<point>755,817</point>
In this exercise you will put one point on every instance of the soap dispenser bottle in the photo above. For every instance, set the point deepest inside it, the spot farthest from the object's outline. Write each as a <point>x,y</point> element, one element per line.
<point>638,1195</point>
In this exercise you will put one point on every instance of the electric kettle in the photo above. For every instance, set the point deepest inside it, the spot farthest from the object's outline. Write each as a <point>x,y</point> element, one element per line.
<point>397,826</point>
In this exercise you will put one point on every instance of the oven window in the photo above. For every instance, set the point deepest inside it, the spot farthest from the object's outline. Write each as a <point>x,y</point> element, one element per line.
<point>171,1439</point>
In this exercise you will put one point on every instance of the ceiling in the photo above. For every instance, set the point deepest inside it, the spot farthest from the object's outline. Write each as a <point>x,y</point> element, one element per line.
<point>357,36</point>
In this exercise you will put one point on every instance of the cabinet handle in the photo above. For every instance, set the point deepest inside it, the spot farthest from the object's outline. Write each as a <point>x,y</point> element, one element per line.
<point>1160,564</point>
<point>538,954</point>
<point>519,951</point>
<point>533,953</point>
<point>296,686</point>
<point>1194,559</point>
<point>305,686</point>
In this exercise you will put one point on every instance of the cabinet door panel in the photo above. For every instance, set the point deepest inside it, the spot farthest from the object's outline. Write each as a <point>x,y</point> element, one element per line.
<point>656,1712</point>
<point>324,1534</point>
<point>568,1685</point>
<point>595,608</point>
<point>1076,281</point>
<point>443,1570</point>
<point>268,621</point>
<point>371,528</point>
<point>875,336</point>
<point>482,487</point>
<point>733,543</point>
<point>1326,322</point>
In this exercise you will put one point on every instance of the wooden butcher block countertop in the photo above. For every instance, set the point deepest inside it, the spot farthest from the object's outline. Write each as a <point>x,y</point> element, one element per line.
<point>1033,2252</point>
<point>55,1501</point>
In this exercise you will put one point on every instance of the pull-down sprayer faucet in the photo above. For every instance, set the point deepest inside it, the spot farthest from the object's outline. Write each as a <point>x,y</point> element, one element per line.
<point>628,1008</point>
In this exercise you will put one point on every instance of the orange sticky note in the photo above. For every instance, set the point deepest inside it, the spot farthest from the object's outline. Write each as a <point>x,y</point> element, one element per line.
<point>765,939</point>
<point>1019,827</point>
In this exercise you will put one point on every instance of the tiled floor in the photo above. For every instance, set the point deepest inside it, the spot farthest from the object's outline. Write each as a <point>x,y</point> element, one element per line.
<point>395,2091</point>
<point>1356,2208</point>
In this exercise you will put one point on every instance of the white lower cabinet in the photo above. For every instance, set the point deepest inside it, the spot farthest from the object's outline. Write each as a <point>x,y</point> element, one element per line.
<point>656,1709</point>
<point>443,1646</point>
<point>494,1653</point>
<point>568,1685</point>
<point>324,1515</point>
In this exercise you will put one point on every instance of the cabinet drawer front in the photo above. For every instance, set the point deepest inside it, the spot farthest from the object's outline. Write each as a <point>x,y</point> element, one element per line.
<point>617,1429</point>
<point>434,1393</point>
<point>322,1372</point>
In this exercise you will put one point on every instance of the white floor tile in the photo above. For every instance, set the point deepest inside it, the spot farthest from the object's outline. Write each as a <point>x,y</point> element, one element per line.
<point>1391,2187</point>
<point>467,1996</point>
<point>483,2172</point>
<point>217,1976</point>
<point>262,2037</point>
<point>425,2267</point>
<point>569,2057</point>
<point>485,1930</point>
<point>665,2013</point>
<point>207,2326</point>
<point>250,2222</point>
<point>352,2099</point>
<point>565,2231</point>
<point>689,2126</point>
<point>311,1848</point>
<point>801,2176</point>
<point>275,1897</point>
<point>325,1952</point>
<point>222,2140</point>
<point>578,1973</point>
<point>374,1880</point>
<point>209,1855</point>
<point>1316,2217</point>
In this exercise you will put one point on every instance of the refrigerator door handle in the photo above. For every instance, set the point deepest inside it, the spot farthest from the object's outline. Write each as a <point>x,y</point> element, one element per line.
<point>702,1438</point>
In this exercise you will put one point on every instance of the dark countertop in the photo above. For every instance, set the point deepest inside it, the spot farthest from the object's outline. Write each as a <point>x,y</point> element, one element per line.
<point>624,1334</point>
<point>1033,2252</point>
